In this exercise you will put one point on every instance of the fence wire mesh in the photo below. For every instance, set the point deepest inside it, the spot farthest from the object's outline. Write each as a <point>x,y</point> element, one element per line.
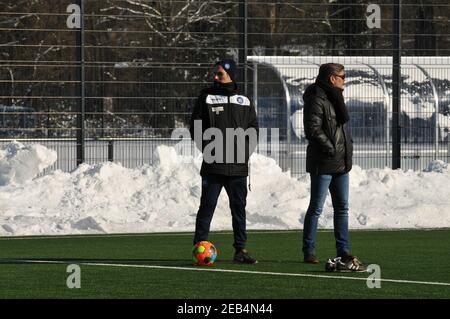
<point>129,72</point>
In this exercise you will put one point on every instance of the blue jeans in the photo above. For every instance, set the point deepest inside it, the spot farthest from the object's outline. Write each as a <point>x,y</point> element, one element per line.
<point>236,188</point>
<point>338,184</point>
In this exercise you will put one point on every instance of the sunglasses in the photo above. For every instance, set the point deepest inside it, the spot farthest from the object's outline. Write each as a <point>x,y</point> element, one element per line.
<point>340,76</point>
<point>220,74</point>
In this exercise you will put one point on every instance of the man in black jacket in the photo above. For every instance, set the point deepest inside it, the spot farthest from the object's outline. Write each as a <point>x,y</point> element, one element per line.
<point>328,159</point>
<point>225,128</point>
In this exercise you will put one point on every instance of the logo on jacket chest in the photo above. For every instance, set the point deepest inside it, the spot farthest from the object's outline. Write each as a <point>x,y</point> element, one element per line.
<point>240,100</point>
<point>217,109</point>
<point>216,99</point>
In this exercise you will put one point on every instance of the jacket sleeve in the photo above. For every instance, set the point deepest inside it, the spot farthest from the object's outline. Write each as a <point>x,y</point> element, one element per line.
<point>312,122</point>
<point>253,123</point>
<point>198,114</point>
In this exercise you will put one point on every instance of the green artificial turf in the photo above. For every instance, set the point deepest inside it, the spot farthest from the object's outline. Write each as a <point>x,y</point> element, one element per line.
<point>414,255</point>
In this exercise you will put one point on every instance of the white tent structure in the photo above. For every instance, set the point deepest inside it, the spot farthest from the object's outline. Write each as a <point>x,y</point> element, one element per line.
<point>425,103</point>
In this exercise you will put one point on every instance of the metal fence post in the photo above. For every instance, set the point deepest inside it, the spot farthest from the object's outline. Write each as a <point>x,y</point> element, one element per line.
<point>396,78</point>
<point>448,147</point>
<point>110,150</point>
<point>255,85</point>
<point>80,39</point>
<point>243,45</point>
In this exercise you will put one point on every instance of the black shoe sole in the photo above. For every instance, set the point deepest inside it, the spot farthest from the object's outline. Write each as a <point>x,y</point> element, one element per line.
<point>244,263</point>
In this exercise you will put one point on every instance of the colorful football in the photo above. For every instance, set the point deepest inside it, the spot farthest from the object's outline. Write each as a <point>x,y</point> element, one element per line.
<point>204,253</point>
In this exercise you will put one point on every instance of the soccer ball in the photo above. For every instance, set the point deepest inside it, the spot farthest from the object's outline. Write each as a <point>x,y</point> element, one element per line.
<point>204,253</point>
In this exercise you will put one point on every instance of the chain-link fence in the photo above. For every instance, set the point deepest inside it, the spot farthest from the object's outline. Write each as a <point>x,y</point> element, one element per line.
<point>102,80</point>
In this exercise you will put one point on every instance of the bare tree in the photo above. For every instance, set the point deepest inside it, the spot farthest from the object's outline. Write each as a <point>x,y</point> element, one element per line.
<point>175,23</point>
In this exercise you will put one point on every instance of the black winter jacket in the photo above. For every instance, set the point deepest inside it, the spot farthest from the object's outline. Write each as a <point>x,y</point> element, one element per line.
<point>330,147</point>
<point>221,107</point>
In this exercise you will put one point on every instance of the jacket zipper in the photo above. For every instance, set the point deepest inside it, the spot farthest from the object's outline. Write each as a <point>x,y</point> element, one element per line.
<point>345,146</point>
<point>332,132</point>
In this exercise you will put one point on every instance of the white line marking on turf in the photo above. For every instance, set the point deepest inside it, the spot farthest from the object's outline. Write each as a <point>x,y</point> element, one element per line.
<point>434,283</point>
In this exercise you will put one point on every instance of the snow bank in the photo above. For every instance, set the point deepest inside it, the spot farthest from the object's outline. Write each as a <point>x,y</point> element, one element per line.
<point>437,166</point>
<point>19,163</point>
<point>108,198</point>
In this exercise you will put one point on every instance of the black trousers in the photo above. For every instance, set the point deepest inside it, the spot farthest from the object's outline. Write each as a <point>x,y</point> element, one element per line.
<point>236,188</point>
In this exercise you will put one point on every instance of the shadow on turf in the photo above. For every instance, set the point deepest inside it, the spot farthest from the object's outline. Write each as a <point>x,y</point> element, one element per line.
<point>159,262</point>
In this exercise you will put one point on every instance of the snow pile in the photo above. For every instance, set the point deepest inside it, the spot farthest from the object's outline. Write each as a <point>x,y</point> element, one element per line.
<point>108,198</point>
<point>386,198</point>
<point>19,163</point>
<point>437,166</point>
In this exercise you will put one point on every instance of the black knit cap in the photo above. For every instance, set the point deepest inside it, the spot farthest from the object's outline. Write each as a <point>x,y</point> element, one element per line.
<point>229,66</point>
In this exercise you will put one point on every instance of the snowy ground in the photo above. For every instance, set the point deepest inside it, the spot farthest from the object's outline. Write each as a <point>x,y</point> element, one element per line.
<point>108,198</point>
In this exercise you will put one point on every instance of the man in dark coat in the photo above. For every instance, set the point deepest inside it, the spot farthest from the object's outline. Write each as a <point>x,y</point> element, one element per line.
<point>225,128</point>
<point>328,159</point>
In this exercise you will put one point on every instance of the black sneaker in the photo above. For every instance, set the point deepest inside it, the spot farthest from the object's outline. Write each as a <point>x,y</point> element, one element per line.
<point>352,264</point>
<point>242,257</point>
<point>347,263</point>
<point>346,257</point>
